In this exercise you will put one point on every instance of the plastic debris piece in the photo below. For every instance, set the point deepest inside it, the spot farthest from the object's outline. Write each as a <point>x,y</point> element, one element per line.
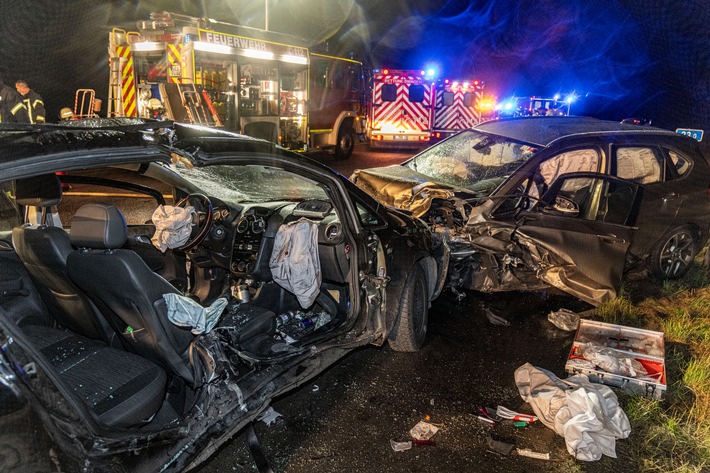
<point>496,319</point>
<point>498,446</point>
<point>491,413</point>
<point>564,319</point>
<point>487,420</point>
<point>526,452</point>
<point>520,423</point>
<point>269,416</point>
<point>423,431</point>
<point>400,446</point>
<point>424,443</point>
<point>506,413</point>
<point>315,389</point>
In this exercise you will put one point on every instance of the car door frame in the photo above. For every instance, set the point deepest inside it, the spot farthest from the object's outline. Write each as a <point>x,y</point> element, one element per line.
<point>585,258</point>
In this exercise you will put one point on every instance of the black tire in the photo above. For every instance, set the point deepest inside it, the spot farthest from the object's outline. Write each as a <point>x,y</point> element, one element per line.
<point>410,328</point>
<point>346,142</point>
<point>674,252</point>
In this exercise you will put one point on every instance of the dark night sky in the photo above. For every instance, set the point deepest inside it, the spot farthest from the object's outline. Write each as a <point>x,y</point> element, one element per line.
<point>625,58</point>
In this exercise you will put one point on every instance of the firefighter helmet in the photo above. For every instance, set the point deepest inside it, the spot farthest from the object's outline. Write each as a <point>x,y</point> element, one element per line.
<point>66,114</point>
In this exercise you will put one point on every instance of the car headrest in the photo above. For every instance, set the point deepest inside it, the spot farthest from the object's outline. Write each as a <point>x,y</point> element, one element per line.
<point>39,191</point>
<point>98,226</point>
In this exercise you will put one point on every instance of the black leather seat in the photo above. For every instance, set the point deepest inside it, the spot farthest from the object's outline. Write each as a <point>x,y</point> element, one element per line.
<point>120,388</point>
<point>124,288</point>
<point>43,249</point>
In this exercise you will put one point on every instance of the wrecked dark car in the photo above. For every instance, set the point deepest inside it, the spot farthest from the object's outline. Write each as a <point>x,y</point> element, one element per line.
<point>569,202</point>
<point>161,283</point>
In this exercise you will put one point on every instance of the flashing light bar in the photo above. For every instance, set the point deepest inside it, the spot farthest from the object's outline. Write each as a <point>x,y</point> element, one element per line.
<point>148,46</point>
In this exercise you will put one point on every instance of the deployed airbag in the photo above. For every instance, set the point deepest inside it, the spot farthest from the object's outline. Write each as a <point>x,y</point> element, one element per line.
<point>186,312</point>
<point>294,262</point>
<point>173,226</point>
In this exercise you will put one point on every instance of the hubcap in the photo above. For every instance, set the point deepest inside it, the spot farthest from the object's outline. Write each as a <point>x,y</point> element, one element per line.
<point>677,254</point>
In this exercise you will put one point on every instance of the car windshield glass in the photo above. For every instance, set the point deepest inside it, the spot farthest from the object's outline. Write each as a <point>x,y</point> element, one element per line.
<point>251,183</point>
<point>471,159</point>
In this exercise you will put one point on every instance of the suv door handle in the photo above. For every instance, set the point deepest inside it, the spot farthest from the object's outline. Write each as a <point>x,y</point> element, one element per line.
<point>611,239</point>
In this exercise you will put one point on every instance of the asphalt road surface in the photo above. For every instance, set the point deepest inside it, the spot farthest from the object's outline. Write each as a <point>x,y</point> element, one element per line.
<point>345,419</point>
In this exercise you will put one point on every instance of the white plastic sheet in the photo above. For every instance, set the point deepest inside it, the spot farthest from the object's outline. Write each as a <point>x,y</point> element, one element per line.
<point>294,261</point>
<point>587,415</point>
<point>173,226</point>
<point>186,312</point>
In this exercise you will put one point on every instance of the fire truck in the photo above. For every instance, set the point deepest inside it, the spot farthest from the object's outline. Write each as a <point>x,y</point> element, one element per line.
<point>259,83</point>
<point>401,108</point>
<point>459,105</point>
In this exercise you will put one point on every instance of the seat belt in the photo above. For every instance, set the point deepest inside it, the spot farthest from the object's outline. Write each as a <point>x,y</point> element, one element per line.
<point>262,463</point>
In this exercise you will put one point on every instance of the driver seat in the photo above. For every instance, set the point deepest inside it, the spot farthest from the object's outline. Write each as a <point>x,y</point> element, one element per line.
<point>124,288</point>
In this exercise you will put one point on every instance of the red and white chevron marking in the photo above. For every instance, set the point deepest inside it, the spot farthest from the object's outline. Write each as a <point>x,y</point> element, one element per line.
<point>455,116</point>
<point>402,114</point>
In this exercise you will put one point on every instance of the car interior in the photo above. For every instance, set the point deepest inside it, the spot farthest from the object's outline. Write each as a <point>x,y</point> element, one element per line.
<point>85,284</point>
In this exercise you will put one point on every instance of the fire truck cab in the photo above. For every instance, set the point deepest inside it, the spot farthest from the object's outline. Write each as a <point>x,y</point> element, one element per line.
<point>401,109</point>
<point>178,67</point>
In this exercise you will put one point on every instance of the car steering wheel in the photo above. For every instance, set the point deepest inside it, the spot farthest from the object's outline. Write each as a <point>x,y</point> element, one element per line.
<point>202,221</point>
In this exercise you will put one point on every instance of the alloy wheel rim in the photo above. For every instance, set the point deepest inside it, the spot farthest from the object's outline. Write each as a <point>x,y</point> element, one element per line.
<point>677,254</point>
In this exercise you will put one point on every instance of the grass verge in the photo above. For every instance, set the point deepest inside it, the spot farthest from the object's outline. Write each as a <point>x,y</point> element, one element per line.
<point>672,435</point>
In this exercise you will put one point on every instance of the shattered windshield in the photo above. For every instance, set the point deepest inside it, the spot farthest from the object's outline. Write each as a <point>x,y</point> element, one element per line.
<point>472,160</point>
<point>251,183</point>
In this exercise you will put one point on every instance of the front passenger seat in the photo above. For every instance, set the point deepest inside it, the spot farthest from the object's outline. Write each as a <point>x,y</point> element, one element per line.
<point>123,286</point>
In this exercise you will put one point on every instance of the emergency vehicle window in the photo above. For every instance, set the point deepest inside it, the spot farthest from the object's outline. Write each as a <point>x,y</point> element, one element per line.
<point>389,92</point>
<point>638,165</point>
<point>448,98</point>
<point>468,99</point>
<point>416,93</point>
<point>681,164</point>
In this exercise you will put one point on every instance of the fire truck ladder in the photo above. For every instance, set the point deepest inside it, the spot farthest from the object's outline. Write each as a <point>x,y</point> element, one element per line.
<point>115,98</point>
<point>193,103</point>
<point>84,102</point>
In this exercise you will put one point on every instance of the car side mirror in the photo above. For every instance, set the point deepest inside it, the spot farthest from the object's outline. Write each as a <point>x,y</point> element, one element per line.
<point>562,206</point>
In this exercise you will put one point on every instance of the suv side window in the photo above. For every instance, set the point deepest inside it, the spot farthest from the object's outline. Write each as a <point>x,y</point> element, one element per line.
<point>679,163</point>
<point>639,164</point>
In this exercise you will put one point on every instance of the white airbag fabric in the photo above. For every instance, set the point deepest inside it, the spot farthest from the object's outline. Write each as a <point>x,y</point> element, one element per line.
<point>586,414</point>
<point>186,312</point>
<point>294,261</point>
<point>173,226</point>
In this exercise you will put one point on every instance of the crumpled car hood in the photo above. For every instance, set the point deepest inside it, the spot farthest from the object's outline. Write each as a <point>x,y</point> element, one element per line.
<point>401,187</point>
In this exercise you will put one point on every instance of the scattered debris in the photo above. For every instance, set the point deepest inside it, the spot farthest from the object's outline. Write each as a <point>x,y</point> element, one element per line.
<point>315,388</point>
<point>486,420</point>
<point>269,417</point>
<point>400,446</point>
<point>495,319</point>
<point>506,413</point>
<point>564,319</point>
<point>423,431</point>
<point>498,446</point>
<point>526,452</point>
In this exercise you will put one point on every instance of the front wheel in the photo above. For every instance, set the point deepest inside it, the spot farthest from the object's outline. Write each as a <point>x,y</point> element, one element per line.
<point>410,328</point>
<point>346,142</point>
<point>673,253</point>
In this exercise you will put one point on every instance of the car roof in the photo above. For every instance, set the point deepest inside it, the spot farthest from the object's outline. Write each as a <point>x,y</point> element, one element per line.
<point>543,131</point>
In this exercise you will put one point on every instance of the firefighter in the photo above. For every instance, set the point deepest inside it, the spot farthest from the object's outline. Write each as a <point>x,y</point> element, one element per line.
<point>12,108</point>
<point>32,100</point>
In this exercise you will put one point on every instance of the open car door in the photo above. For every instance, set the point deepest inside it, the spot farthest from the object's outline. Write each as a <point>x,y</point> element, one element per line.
<point>579,232</point>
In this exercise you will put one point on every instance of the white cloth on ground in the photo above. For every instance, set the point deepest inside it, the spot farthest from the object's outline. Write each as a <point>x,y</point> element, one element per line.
<point>586,414</point>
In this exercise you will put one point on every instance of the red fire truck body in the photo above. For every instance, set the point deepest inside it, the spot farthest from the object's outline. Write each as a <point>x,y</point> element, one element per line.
<point>401,109</point>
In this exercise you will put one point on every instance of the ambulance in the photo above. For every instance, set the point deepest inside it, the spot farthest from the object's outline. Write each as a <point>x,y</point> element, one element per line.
<point>401,109</point>
<point>458,105</point>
